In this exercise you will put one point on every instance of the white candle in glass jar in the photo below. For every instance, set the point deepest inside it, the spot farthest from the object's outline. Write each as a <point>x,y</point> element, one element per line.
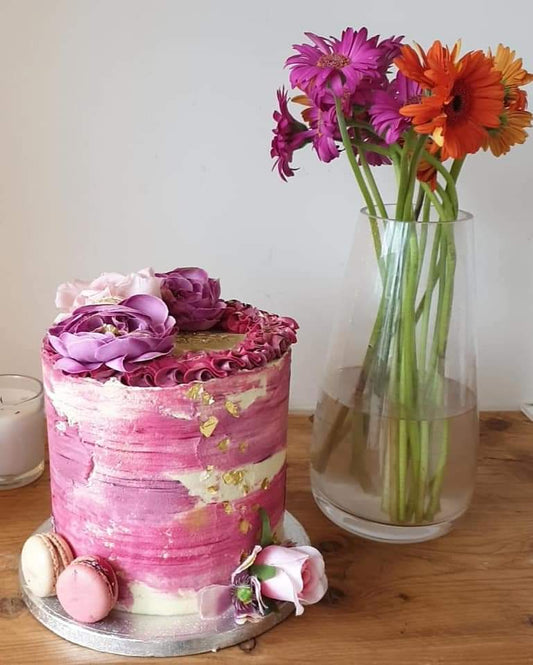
<point>22,430</point>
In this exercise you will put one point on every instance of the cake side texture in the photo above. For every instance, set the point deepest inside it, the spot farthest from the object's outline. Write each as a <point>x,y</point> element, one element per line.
<point>166,482</point>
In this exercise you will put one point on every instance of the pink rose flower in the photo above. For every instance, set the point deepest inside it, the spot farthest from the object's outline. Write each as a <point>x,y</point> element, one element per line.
<point>300,575</point>
<point>109,288</point>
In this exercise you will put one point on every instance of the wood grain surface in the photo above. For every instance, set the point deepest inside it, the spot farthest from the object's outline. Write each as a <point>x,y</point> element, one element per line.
<point>464,599</point>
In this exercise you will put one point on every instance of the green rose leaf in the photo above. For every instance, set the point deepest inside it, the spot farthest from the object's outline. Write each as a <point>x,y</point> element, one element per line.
<point>266,530</point>
<point>262,571</point>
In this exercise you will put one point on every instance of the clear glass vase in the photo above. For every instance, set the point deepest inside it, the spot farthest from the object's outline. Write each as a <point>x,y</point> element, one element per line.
<point>395,430</point>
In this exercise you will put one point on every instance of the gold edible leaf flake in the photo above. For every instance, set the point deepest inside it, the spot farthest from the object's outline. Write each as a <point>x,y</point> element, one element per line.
<point>212,489</point>
<point>245,488</point>
<point>265,483</point>
<point>233,477</point>
<point>244,526</point>
<point>243,446</point>
<point>195,519</point>
<point>208,426</point>
<point>232,409</point>
<point>228,508</point>
<point>223,445</point>
<point>195,391</point>
<point>207,398</point>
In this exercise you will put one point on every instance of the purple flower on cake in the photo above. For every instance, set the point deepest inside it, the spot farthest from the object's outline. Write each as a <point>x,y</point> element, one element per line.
<point>109,288</point>
<point>246,591</point>
<point>116,336</point>
<point>243,593</point>
<point>300,574</point>
<point>193,298</point>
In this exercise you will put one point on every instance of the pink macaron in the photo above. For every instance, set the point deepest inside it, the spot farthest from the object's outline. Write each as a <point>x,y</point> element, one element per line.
<point>43,558</point>
<point>88,589</point>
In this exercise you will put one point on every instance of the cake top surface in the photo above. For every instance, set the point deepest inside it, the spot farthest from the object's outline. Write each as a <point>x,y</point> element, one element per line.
<point>160,329</point>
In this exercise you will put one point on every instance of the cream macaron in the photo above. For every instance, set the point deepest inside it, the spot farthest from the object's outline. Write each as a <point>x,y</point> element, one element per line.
<point>44,557</point>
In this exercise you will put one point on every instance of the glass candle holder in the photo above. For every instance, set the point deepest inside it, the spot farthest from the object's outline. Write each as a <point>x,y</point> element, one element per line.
<point>22,430</point>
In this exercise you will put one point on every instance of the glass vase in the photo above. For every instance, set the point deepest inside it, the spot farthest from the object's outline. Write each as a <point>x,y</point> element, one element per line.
<point>395,430</point>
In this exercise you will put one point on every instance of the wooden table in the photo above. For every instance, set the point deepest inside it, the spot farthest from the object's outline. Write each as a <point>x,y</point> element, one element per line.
<point>466,598</point>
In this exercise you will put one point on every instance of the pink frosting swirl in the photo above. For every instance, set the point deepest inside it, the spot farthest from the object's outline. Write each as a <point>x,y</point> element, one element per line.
<point>267,338</point>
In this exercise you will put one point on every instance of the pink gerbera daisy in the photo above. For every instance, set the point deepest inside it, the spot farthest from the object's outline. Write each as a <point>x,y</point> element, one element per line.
<point>324,130</point>
<point>386,104</point>
<point>332,63</point>
<point>289,135</point>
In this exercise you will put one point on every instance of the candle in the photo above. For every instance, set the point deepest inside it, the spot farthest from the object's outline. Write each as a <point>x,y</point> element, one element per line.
<point>22,430</point>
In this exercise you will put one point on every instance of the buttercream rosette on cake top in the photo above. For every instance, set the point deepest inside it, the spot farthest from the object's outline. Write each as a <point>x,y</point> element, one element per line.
<point>167,425</point>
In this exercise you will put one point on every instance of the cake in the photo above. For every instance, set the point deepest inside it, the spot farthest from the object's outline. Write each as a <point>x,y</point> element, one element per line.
<point>167,419</point>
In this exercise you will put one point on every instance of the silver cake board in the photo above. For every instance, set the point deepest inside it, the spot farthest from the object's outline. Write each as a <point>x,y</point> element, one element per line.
<point>127,634</point>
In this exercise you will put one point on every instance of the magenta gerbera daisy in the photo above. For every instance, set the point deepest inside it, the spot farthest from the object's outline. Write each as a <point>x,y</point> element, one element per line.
<point>324,130</point>
<point>386,104</point>
<point>390,48</point>
<point>339,64</point>
<point>289,135</point>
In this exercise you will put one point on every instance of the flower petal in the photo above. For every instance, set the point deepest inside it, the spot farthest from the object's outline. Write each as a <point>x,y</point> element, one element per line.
<point>214,600</point>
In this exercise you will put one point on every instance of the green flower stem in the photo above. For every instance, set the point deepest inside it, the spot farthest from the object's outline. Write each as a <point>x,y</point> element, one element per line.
<point>407,212</point>
<point>404,177</point>
<point>422,470</point>
<point>402,469</point>
<point>447,265</point>
<point>435,201</point>
<point>436,485</point>
<point>432,270</point>
<point>448,177</point>
<point>446,283</point>
<point>454,172</point>
<point>419,201</point>
<point>370,179</point>
<point>386,493</point>
<point>396,166</point>
<point>362,125</point>
<point>385,302</point>
<point>408,366</point>
<point>393,448</point>
<point>373,147</point>
<point>423,234</point>
<point>341,121</point>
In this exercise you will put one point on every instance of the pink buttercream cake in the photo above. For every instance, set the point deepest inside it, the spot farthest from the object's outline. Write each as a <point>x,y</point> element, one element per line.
<point>162,469</point>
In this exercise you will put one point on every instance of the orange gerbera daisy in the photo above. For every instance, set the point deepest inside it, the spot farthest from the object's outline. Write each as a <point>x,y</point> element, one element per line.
<point>511,69</point>
<point>425,171</point>
<point>512,130</point>
<point>463,97</point>
<point>515,119</point>
<point>418,66</point>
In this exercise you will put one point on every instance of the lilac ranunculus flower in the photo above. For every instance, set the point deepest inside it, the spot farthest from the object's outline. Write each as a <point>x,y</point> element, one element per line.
<point>117,336</point>
<point>193,298</point>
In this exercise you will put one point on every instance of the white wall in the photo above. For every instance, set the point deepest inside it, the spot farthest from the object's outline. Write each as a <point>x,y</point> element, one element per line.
<point>136,132</point>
